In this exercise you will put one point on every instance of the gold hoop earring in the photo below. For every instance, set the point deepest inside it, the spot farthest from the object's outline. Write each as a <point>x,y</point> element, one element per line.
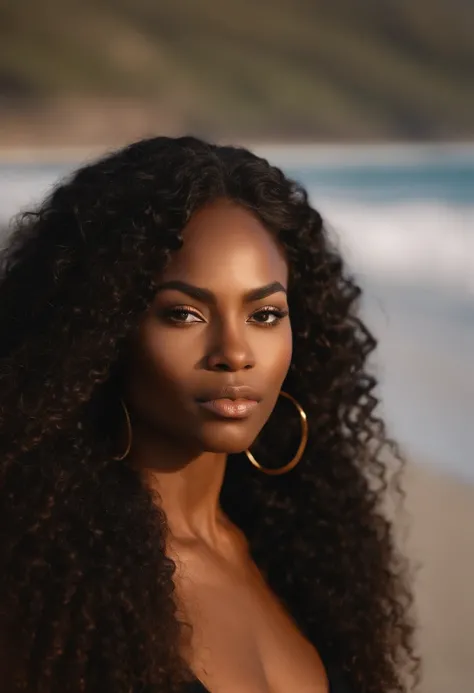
<point>129,433</point>
<point>301,448</point>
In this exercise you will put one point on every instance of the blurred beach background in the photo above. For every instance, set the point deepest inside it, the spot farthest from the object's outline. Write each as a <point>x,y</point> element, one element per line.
<point>371,106</point>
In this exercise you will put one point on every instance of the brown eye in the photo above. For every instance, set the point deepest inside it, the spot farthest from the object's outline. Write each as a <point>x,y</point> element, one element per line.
<point>269,316</point>
<point>182,315</point>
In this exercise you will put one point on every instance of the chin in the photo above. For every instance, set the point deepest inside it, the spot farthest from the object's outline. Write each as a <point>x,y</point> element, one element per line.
<point>230,442</point>
<point>226,448</point>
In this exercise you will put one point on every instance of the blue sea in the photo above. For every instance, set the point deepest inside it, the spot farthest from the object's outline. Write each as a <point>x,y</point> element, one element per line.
<point>403,217</point>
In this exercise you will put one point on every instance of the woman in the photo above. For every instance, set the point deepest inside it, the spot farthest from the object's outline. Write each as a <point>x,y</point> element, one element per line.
<point>156,312</point>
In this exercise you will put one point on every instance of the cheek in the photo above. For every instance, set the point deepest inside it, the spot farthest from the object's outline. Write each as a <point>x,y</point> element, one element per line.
<point>276,356</point>
<point>168,355</point>
<point>159,366</point>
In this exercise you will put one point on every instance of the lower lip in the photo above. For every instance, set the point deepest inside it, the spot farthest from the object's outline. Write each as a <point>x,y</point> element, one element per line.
<point>230,409</point>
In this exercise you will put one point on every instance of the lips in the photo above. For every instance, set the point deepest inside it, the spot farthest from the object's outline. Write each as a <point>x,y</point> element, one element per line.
<point>230,402</point>
<point>230,409</point>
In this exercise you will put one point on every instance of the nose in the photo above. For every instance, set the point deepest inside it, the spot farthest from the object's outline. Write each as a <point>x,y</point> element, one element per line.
<point>230,350</point>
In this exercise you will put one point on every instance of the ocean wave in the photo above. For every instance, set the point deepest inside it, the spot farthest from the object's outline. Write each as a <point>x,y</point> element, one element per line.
<point>22,191</point>
<point>419,241</point>
<point>423,242</point>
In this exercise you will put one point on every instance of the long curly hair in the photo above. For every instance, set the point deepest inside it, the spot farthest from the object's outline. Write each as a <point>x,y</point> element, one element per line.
<point>86,587</point>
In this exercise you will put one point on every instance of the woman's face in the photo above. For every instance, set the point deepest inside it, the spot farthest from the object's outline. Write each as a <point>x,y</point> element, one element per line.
<point>219,322</point>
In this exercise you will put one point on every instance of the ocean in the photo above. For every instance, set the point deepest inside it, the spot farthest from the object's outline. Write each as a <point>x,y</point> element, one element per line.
<point>403,217</point>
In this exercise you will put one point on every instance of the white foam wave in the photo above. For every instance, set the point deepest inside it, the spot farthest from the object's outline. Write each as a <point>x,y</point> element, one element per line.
<point>422,241</point>
<point>22,192</point>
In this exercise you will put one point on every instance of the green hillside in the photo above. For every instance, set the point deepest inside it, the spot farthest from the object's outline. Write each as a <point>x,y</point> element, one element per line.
<point>309,68</point>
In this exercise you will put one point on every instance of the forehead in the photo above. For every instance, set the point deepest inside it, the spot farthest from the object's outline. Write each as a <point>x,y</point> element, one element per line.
<point>226,242</point>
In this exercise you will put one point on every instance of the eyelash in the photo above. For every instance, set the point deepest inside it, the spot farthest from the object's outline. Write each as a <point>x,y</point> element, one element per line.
<point>269,310</point>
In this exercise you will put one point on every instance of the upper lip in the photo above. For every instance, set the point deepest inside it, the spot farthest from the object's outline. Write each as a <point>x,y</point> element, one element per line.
<point>232,392</point>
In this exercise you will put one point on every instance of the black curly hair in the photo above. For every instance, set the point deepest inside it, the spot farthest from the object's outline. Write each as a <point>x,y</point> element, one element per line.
<point>86,588</point>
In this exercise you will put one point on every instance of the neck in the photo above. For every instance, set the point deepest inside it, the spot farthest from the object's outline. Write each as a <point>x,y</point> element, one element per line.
<point>188,484</point>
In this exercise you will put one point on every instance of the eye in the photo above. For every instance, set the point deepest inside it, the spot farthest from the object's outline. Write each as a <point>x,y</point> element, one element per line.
<point>269,316</point>
<point>182,315</point>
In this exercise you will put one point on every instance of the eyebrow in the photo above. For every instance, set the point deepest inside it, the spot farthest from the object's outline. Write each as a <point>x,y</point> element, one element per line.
<point>207,296</point>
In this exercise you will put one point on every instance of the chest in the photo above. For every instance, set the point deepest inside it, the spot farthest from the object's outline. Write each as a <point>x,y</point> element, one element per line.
<point>242,637</point>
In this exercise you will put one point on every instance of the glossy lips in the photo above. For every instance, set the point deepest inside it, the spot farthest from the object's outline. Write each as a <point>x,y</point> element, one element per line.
<point>237,409</point>
<point>231,402</point>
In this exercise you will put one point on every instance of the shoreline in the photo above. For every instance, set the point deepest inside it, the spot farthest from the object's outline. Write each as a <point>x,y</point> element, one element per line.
<point>349,154</point>
<point>439,511</point>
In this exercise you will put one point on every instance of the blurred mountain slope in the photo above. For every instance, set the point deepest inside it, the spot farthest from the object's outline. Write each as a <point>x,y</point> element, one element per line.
<point>327,68</point>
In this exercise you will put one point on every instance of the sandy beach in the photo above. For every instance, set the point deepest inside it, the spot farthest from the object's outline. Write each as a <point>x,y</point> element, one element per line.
<point>441,543</point>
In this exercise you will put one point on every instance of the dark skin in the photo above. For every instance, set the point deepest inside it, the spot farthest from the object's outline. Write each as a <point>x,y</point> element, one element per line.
<point>189,344</point>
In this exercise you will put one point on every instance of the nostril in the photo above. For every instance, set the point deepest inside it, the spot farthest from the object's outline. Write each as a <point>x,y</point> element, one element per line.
<point>222,367</point>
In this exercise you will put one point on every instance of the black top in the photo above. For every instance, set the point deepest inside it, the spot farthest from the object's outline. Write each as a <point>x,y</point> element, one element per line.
<point>337,684</point>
